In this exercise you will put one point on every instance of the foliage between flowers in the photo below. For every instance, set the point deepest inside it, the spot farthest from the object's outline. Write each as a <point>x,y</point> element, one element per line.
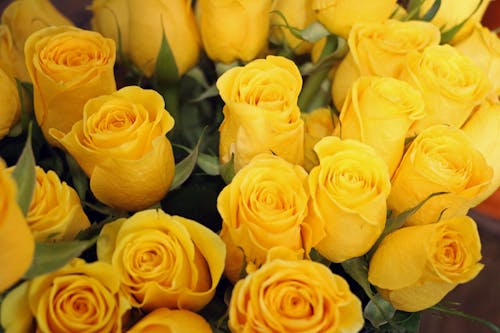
<point>194,101</point>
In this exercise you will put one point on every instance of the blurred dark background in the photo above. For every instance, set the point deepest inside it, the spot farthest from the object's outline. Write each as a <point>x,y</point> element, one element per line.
<point>480,297</point>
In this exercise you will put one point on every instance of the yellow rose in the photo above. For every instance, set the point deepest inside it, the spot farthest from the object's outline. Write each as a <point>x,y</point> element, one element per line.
<point>110,17</point>
<point>80,297</point>
<point>16,241</point>
<point>55,212</point>
<point>483,130</point>
<point>264,206</point>
<point>299,14</point>
<point>379,112</point>
<point>67,66</point>
<point>147,24</point>
<point>233,29</point>
<point>440,159</point>
<point>121,136</point>
<point>261,113</point>
<point>483,47</point>
<point>380,49</point>
<point>162,260</point>
<point>7,55</point>
<point>348,189</point>
<point>317,124</point>
<point>24,17</point>
<point>294,296</point>
<point>451,84</point>
<point>164,320</point>
<point>338,16</point>
<point>415,267</point>
<point>452,13</point>
<point>10,104</point>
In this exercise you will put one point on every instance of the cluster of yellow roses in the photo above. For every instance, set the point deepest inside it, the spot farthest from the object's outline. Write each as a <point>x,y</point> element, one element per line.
<point>418,123</point>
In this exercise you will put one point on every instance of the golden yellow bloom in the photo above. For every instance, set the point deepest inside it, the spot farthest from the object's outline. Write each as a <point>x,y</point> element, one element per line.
<point>172,321</point>
<point>452,13</point>
<point>10,105</point>
<point>263,207</point>
<point>162,260</point>
<point>80,297</point>
<point>67,66</point>
<point>318,124</point>
<point>483,130</point>
<point>440,159</point>
<point>483,47</point>
<point>110,17</point>
<point>261,113</point>
<point>55,212</point>
<point>24,17</point>
<point>122,135</point>
<point>451,84</point>
<point>338,16</point>
<point>415,267</point>
<point>294,296</point>
<point>299,14</point>
<point>348,189</point>
<point>380,49</point>
<point>234,29</point>
<point>379,111</point>
<point>16,241</point>
<point>147,23</point>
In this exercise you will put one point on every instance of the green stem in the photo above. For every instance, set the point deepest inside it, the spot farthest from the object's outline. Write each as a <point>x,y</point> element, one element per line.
<point>311,87</point>
<point>171,96</point>
<point>482,321</point>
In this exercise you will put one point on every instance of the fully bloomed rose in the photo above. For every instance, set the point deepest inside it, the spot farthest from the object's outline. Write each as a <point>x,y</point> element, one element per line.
<point>233,29</point>
<point>121,136</point>
<point>380,49</point>
<point>440,159</point>
<point>294,296</point>
<point>80,297</point>
<point>317,124</point>
<point>164,320</point>
<point>483,47</point>
<point>261,113</point>
<point>415,267</point>
<point>298,14</point>
<point>24,17</point>
<point>16,241</point>
<point>55,212</point>
<point>67,66</point>
<point>338,16</point>
<point>379,112</point>
<point>483,129</point>
<point>348,189</point>
<point>265,206</point>
<point>451,84</point>
<point>162,260</point>
<point>10,105</point>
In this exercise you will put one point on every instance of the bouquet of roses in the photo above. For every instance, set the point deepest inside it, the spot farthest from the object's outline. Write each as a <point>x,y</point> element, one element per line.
<point>242,166</point>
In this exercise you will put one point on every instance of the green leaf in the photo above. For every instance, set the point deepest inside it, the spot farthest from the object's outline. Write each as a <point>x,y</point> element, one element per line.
<point>378,311</point>
<point>227,170</point>
<point>166,67</point>
<point>209,164</point>
<point>209,92</point>
<point>52,256</point>
<point>184,168</point>
<point>357,268</point>
<point>80,179</point>
<point>432,11</point>
<point>459,313</point>
<point>314,32</point>
<point>24,175</point>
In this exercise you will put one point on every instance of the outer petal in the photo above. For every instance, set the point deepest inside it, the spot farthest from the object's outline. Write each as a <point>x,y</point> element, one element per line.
<point>135,184</point>
<point>15,314</point>
<point>173,321</point>
<point>400,259</point>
